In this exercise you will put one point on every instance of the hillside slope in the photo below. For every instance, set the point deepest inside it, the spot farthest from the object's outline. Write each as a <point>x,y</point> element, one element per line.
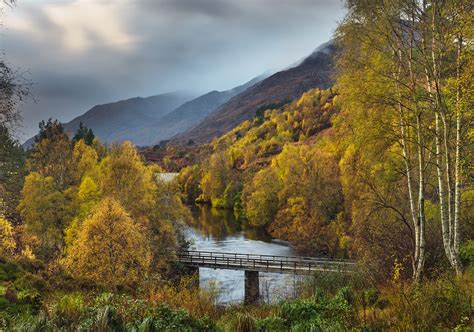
<point>315,71</point>
<point>190,113</point>
<point>128,119</point>
<point>125,119</point>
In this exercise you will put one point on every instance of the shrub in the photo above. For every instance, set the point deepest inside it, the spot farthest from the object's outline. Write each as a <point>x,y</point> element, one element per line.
<point>467,253</point>
<point>271,323</point>
<point>318,312</point>
<point>242,322</point>
<point>69,310</point>
<point>439,304</point>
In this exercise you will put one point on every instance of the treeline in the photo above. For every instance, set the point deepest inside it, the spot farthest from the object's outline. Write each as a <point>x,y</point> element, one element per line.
<point>271,171</point>
<point>83,209</point>
<point>379,168</point>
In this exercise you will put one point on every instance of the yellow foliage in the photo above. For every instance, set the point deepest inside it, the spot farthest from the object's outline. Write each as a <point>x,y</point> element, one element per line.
<point>45,212</point>
<point>110,248</point>
<point>7,239</point>
<point>84,158</point>
<point>123,176</point>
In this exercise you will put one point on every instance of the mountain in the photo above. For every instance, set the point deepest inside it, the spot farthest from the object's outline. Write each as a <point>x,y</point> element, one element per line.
<point>126,119</point>
<point>190,113</point>
<point>316,70</point>
<point>147,121</point>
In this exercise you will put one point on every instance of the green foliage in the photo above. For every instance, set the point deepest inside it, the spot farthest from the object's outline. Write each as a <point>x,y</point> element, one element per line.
<point>242,322</point>
<point>68,311</point>
<point>467,253</point>
<point>271,323</point>
<point>12,168</point>
<point>84,133</point>
<point>108,313</point>
<point>318,312</point>
<point>20,292</point>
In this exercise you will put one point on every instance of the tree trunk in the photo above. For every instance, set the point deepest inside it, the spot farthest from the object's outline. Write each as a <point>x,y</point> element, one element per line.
<point>457,167</point>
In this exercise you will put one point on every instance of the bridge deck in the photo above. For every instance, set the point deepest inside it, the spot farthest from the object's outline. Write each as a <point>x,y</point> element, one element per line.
<point>264,263</point>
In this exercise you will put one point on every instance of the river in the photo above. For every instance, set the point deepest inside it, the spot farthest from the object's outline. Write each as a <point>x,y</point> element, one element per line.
<point>218,230</point>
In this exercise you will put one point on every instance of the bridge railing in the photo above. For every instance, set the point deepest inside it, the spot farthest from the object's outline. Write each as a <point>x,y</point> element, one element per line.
<point>263,262</point>
<point>278,258</point>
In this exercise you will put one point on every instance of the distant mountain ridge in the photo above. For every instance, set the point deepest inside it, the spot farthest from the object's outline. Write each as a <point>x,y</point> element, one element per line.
<point>181,117</point>
<point>316,70</point>
<point>128,119</point>
<point>147,121</point>
<point>124,119</point>
<point>192,112</point>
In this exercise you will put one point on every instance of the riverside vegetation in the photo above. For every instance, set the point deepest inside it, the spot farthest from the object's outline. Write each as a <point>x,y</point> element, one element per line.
<point>378,169</point>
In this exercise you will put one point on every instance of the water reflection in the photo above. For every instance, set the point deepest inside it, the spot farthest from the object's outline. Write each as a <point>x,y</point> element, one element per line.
<point>218,224</point>
<point>218,230</point>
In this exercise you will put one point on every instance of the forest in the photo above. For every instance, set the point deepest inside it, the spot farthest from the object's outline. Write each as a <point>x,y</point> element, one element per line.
<point>377,169</point>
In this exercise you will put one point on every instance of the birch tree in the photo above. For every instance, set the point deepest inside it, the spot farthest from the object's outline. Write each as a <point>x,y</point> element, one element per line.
<point>419,53</point>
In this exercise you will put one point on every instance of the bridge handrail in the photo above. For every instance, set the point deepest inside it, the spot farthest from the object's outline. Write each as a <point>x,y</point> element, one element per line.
<point>269,258</point>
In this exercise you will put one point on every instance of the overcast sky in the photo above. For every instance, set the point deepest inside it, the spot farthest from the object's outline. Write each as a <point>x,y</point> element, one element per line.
<point>80,53</point>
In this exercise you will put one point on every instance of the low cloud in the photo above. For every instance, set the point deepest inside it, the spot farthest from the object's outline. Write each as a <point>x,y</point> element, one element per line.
<point>82,52</point>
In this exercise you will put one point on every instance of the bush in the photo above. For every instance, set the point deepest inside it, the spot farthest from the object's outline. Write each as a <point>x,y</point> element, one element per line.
<point>242,322</point>
<point>319,312</point>
<point>467,253</point>
<point>271,323</point>
<point>69,310</point>
<point>70,314</point>
<point>433,305</point>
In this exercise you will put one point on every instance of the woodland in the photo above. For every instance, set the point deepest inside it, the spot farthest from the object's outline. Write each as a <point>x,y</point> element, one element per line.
<point>377,169</point>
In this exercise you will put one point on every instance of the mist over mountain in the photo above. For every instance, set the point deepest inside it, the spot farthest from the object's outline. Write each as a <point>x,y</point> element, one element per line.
<point>316,70</point>
<point>182,117</point>
<point>126,119</point>
<point>189,114</point>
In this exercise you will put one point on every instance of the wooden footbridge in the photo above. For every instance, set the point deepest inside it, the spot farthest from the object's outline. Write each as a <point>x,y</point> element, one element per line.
<point>252,264</point>
<point>263,263</point>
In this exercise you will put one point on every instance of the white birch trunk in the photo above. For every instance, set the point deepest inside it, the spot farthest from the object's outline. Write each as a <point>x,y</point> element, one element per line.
<point>457,167</point>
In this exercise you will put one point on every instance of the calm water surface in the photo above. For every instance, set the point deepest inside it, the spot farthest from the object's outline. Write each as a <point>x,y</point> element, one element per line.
<point>218,230</point>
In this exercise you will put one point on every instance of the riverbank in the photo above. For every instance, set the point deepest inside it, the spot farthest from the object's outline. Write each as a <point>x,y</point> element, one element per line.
<point>329,302</point>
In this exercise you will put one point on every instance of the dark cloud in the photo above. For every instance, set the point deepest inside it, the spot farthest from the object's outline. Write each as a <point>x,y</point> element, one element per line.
<point>83,52</point>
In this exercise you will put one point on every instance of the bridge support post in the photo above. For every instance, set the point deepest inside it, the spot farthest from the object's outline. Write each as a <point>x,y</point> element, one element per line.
<point>252,287</point>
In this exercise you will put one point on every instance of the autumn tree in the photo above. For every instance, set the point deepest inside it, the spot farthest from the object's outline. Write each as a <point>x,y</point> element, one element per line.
<point>51,153</point>
<point>261,203</point>
<point>111,248</point>
<point>124,177</point>
<point>217,178</point>
<point>188,180</point>
<point>153,204</point>
<point>404,54</point>
<point>310,199</point>
<point>12,170</point>
<point>84,161</point>
<point>166,221</point>
<point>86,199</point>
<point>45,212</point>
